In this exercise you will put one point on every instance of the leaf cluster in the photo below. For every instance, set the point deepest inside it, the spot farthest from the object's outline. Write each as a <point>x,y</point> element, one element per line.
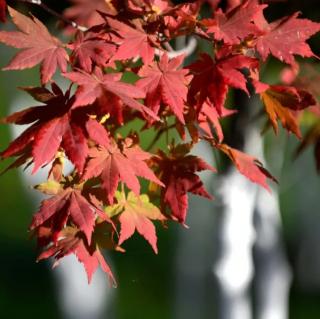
<point>101,203</point>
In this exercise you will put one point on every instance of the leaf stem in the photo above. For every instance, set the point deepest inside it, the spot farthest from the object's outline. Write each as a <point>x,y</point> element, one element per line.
<point>55,14</point>
<point>158,136</point>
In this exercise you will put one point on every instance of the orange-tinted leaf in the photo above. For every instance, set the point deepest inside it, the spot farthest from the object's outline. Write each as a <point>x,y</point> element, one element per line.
<point>283,103</point>
<point>135,213</point>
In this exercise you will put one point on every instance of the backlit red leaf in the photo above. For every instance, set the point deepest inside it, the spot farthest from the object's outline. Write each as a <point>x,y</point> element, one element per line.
<point>114,165</point>
<point>40,47</point>
<point>90,50</point>
<point>237,24</point>
<point>287,37</point>
<point>212,79</point>
<point>133,42</point>
<point>92,86</point>
<point>135,214</point>
<point>248,166</point>
<point>177,171</point>
<point>164,82</point>
<point>90,256</point>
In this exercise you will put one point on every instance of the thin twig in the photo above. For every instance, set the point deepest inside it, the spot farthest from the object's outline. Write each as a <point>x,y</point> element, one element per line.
<point>168,46</point>
<point>187,50</point>
<point>158,135</point>
<point>56,14</point>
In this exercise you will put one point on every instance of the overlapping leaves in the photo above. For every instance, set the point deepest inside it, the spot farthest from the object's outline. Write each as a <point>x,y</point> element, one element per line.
<point>132,39</point>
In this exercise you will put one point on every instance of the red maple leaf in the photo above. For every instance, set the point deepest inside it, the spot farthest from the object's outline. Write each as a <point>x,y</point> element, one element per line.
<point>85,13</point>
<point>284,103</point>
<point>112,165</point>
<point>286,37</point>
<point>164,82</point>
<point>183,17</point>
<point>177,172</point>
<point>97,132</point>
<point>133,42</point>
<point>148,6</point>
<point>90,49</point>
<point>94,86</point>
<point>209,116</point>
<point>72,242</point>
<point>211,79</point>
<point>248,166</point>
<point>237,24</point>
<point>38,44</point>
<point>3,14</point>
<point>67,203</point>
<point>54,125</point>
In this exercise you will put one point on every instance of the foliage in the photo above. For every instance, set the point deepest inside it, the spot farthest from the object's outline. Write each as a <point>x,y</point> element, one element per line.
<point>101,203</point>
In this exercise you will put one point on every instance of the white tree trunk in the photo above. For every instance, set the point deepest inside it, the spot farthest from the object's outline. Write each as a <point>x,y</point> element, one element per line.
<point>242,203</point>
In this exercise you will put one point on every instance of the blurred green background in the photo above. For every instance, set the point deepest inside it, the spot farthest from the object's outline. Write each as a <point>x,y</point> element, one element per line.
<point>146,281</point>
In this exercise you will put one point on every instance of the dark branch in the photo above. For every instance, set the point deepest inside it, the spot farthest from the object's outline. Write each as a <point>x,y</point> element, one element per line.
<point>54,13</point>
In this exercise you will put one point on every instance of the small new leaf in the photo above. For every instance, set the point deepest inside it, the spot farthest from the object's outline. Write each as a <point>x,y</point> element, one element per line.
<point>135,214</point>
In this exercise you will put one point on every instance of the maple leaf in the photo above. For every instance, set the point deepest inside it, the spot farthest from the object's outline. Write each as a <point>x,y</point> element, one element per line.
<point>93,86</point>
<point>54,125</point>
<point>3,6</point>
<point>237,24</point>
<point>89,49</point>
<point>164,82</point>
<point>97,133</point>
<point>209,115</point>
<point>177,172</point>
<point>286,37</point>
<point>38,44</point>
<point>135,213</point>
<point>67,203</point>
<point>211,79</point>
<point>133,42</point>
<point>85,12</point>
<point>248,166</point>
<point>114,165</point>
<point>183,18</point>
<point>283,103</point>
<point>72,242</point>
<point>148,6</point>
